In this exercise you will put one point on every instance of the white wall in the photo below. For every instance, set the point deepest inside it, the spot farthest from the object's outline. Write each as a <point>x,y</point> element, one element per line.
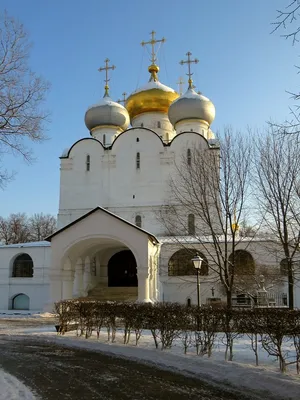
<point>36,288</point>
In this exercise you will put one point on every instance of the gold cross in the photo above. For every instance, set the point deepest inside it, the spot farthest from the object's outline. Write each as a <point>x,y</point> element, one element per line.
<point>124,98</point>
<point>153,42</point>
<point>180,83</point>
<point>106,68</point>
<point>189,62</point>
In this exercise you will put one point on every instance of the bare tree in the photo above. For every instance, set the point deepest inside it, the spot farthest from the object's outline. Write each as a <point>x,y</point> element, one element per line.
<point>22,94</point>
<point>18,228</point>
<point>278,192</point>
<point>212,185</point>
<point>41,226</point>
<point>287,21</point>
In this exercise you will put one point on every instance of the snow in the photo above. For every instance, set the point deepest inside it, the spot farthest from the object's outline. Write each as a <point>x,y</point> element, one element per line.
<point>65,152</point>
<point>12,389</point>
<point>106,101</point>
<point>242,372</point>
<point>154,85</point>
<point>42,243</point>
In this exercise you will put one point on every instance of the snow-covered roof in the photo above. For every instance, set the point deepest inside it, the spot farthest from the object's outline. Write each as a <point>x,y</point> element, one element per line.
<point>106,101</point>
<point>154,85</point>
<point>42,243</point>
<point>65,152</point>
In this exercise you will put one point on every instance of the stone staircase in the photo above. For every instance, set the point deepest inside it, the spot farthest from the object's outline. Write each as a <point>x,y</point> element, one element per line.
<point>103,293</point>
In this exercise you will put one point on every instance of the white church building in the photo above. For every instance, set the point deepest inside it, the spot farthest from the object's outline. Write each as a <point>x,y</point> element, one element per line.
<point>110,243</point>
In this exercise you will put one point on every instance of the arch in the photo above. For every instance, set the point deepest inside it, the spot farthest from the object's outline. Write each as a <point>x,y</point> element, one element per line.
<point>20,302</point>
<point>22,266</point>
<point>132,129</point>
<point>191,224</point>
<point>122,270</point>
<point>242,262</point>
<point>180,263</point>
<point>284,267</point>
<point>78,141</point>
<point>138,221</point>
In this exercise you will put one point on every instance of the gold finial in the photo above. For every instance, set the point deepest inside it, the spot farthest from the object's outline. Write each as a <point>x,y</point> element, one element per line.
<point>180,84</point>
<point>189,62</point>
<point>124,98</point>
<point>153,69</point>
<point>106,68</point>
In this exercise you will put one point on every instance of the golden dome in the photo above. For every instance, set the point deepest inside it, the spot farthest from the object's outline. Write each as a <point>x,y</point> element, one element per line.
<point>153,97</point>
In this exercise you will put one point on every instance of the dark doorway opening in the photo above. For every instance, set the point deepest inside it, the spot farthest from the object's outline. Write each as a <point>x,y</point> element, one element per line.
<point>122,270</point>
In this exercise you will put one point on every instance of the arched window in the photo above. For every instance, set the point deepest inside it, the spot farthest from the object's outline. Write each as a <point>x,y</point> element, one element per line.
<point>284,267</point>
<point>189,157</point>
<point>142,125</point>
<point>23,266</point>
<point>189,302</point>
<point>158,124</point>
<point>104,139</point>
<point>88,162</point>
<point>242,263</point>
<point>20,302</point>
<point>138,161</point>
<point>180,263</point>
<point>138,221</point>
<point>191,224</point>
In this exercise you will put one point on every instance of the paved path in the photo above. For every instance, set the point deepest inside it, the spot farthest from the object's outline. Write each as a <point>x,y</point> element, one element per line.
<point>55,372</point>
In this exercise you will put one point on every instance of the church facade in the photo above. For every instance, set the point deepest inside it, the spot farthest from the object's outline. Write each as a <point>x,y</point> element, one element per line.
<point>110,243</point>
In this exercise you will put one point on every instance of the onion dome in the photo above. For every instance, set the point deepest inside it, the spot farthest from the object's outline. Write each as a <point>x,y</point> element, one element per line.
<point>107,112</point>
<point>153,97</point>
<point>192,105</point>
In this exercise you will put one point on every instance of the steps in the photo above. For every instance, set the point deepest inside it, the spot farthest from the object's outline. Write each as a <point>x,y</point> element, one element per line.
<point>103,293</point>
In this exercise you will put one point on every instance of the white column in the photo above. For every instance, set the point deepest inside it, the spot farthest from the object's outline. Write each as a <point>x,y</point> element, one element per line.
<point>78,279</point>
<point>67,285</point>
<point>87,277</point>
<point>143,286</point>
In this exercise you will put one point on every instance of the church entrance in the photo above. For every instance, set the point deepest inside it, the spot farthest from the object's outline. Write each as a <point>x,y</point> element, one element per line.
<point>122,270</point>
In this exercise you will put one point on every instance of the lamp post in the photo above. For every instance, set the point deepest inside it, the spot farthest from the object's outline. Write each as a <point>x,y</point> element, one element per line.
<point>197,262</point>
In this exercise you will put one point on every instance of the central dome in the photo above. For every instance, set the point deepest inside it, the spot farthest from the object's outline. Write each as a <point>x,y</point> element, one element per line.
<point>153,97</point>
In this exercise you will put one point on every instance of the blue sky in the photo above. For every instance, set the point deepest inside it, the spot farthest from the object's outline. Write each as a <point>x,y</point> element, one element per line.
<point>243,69</point>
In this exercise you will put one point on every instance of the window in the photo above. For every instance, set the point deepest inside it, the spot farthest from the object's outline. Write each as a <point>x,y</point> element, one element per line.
<point>158,124</point>
<point>180,263</point>
<point>138,221</point>
<point>20,302</point>
<point>189,157</point>
<point>88,162</point>
<point>191,224</point>
<point>242,263</point>
<point>138,161</point>
<point>192,130</point>
<point>23,266</point>
<point>137,139</point>
<point>104,139</point>
<point>142,125</point>
<point>189,302</point>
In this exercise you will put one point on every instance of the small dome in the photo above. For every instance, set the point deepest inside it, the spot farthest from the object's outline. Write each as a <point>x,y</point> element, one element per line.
<point>192,105</point>
<point>106,112</point>
<point>153,97</point>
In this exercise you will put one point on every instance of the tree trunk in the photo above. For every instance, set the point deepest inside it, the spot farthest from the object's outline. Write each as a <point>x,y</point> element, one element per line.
<point>229,298</point>
<point>290,285</point>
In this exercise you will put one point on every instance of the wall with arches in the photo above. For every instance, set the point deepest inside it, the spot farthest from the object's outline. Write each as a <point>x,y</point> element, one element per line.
<point>17,278</point>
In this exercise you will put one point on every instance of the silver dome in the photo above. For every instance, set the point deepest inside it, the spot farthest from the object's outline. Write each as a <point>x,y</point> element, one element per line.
<point>192,105</point>
<point>107,112</point>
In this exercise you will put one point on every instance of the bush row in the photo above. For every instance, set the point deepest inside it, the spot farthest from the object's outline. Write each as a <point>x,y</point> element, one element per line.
<point>195,326</point>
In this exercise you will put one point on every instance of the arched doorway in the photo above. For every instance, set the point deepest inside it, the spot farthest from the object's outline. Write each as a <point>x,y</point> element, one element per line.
<point>20,302</point>
<point>122,270</point>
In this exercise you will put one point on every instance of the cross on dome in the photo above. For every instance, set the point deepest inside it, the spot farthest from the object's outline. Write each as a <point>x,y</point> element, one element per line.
<point>106,68</point>
<point>153,42</point>
<point>180,84</point>
<point>189,62</point>
<point>124,98</point>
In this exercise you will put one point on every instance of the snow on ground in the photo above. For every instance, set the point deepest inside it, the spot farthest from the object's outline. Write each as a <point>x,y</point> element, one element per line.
<point>241,372</point>
<point>12,389</point>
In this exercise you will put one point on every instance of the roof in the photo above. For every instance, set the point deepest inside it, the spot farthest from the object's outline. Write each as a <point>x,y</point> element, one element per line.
<point>152,237</point>
<point>42,243</point>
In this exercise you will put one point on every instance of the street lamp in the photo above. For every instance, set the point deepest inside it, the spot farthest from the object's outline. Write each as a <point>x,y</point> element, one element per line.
<point>197,262</point>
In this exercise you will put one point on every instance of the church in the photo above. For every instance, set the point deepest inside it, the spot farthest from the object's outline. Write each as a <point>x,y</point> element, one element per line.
<point>110,243</point>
